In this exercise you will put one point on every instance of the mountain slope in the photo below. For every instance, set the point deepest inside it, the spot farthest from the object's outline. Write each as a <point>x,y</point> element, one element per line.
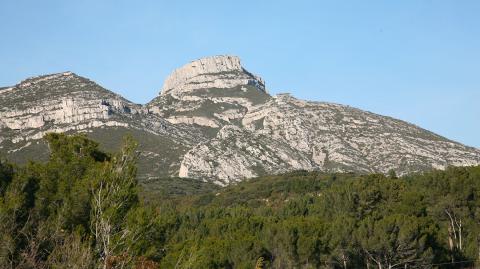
<point>259,134</point>
<point>66,102</point>
<point>215,121</point>
<point>322,136</point>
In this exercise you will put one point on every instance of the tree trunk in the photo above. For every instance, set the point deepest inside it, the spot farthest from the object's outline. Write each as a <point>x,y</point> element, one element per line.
<point>478,243</point>
<point>450,242</point>
<point>460,234</point>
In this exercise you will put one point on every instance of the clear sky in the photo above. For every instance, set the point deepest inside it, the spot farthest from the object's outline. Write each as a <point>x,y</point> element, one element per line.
<point>415,60</point>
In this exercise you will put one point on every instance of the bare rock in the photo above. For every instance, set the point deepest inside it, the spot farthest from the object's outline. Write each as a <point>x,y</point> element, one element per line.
<point>215,121</point>
<point>211,72</point>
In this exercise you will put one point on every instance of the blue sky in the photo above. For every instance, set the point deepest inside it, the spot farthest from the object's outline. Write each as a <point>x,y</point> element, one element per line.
<point>415,60</point>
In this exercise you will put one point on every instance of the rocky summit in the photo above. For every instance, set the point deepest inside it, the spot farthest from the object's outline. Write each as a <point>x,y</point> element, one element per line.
<point>210,92</point>
<point>215,121</point>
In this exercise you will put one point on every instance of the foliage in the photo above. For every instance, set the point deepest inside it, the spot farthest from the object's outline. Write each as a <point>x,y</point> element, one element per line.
<point>84,209</point>
<point>48,214</point>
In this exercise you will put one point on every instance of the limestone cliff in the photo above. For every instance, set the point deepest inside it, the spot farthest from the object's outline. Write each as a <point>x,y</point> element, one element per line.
<point>331,137</point>
<point>219,72</point>
<point>210,92</point>
<point>290,134</point>
<point>215,121</point>
<point>66,102</point>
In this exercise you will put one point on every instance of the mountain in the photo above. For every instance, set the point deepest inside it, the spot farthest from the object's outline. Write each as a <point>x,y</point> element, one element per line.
<point>210,92</point>
<point>69,103</point>
<point>215,121</point>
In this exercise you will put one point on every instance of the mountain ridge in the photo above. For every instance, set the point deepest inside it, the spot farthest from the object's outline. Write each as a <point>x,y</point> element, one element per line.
<point>215,121</point>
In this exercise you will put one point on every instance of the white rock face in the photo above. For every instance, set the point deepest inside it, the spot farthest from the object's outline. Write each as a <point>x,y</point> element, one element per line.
<point>210,92</point>
<point>312,135</point>
<point>235,154</point>
<point>287,134</point>
<point>202,121</point>
<point>60,99</point>
<point>215,121</point>
<point>65,102</point>
<point>66,110</point>
<point>341,138</point>
<point>211,72</point>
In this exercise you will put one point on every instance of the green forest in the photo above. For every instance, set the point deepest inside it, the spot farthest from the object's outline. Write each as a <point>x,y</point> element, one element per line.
<point>84,208</point>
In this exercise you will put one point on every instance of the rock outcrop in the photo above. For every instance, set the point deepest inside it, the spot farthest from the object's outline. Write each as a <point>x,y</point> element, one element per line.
<point>235,154</point>
<point>210,92</point>
<point>215,121</point>
<point>340,138</point>
<point>66,102</point>
<point>60,99</point>
<point>219,72</point>
<point>289,134</point>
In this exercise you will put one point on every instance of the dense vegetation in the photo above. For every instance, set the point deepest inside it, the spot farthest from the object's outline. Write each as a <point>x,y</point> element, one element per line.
<point>84,209</point>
